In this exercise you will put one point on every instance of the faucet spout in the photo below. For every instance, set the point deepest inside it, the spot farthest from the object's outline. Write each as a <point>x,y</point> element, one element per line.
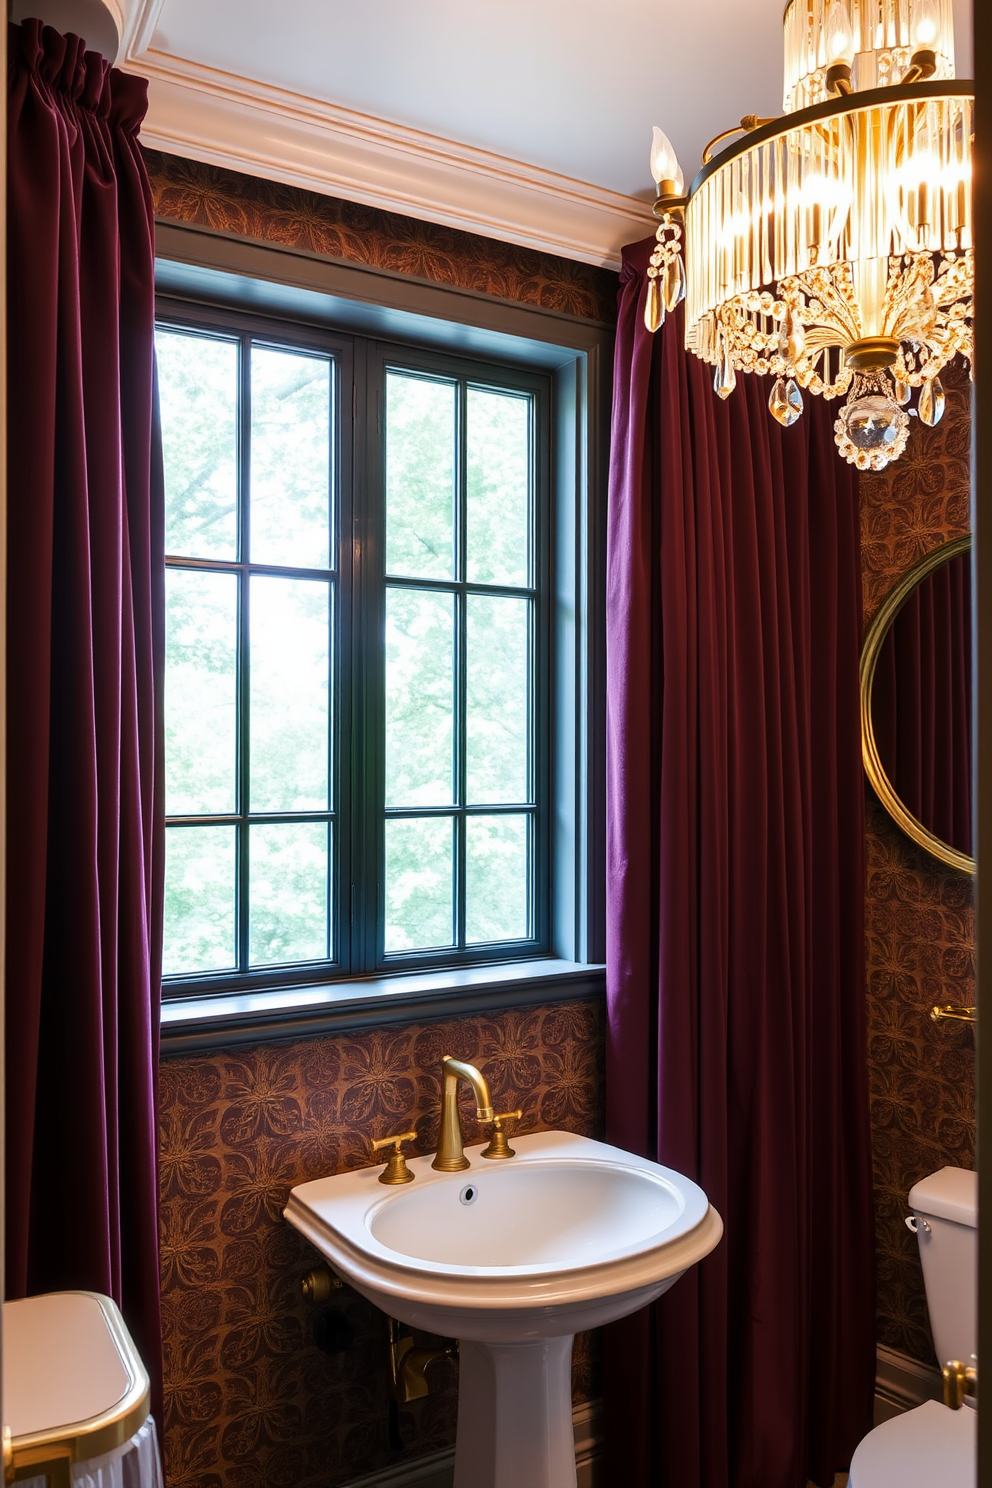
<point>450,1156</point>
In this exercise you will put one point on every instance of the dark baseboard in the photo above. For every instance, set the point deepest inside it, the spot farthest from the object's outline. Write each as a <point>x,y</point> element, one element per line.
<point>902,1383</point>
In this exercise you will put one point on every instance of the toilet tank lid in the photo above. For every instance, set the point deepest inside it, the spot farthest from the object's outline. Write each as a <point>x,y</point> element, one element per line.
<point>951,1193</point>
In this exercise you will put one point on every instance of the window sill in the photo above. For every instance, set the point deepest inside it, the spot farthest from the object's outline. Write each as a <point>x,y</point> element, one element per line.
<point>190,1026</point>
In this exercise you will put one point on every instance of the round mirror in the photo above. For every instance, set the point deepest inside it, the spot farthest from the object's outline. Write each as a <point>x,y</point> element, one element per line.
<point>916,723</point>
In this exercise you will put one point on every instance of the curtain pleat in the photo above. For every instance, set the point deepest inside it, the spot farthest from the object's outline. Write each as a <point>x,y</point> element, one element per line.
<point>85,645</point>
<point>736,1044</point>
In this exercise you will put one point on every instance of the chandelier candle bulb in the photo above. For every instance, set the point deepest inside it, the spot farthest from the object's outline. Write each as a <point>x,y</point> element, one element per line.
<point>925,29</point>
<point>665,169</point>
<point>833,247</point>
<point>840,36</point>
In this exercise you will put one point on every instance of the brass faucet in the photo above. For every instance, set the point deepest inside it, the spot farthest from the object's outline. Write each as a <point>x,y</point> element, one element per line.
<point>450,1157</point>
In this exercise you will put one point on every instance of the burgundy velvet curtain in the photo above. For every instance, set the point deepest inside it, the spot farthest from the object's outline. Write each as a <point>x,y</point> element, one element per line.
<point>85,619</point>
<point>921,703</point>
<point>735,951</point>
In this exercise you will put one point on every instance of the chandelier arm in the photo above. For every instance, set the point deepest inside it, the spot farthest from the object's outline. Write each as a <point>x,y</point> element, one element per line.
<point>748,124</point>
<point>922,65</point>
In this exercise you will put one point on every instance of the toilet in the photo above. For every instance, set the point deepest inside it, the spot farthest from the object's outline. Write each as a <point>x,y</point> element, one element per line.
<point>933,1446</point>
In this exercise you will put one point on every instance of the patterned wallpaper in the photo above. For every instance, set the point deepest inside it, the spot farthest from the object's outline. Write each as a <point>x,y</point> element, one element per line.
<point>253,1399</point>
<point>919,914</point>
<point>189,191</point>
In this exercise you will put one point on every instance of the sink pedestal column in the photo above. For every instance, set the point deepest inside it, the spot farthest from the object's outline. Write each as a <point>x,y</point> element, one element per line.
<point>515,1415</point>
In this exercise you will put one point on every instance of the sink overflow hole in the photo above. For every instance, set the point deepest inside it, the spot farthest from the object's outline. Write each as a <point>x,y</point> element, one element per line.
<point>469,1194</point>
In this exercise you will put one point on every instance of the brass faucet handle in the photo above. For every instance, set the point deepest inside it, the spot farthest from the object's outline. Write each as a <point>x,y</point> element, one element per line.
<point>959,1380</point>
<point>396,1170</point>
<point>498,1145</point>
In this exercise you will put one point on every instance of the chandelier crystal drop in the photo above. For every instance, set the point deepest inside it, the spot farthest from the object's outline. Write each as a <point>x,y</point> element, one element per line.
<point>785,402</point>
<point>931,404</point>
<point>831,249</point>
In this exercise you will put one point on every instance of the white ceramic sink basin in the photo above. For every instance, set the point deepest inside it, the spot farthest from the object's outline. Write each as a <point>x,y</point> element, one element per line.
<point>542,1216</point>
<point>513,1258</point>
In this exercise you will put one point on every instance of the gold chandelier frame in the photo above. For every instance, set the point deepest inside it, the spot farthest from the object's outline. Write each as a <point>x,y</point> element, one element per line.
<point>831,249</point>
<point>767,248</point>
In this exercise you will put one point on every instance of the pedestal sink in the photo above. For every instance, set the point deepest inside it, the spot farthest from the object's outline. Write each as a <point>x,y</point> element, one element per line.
<point>513,1258</point>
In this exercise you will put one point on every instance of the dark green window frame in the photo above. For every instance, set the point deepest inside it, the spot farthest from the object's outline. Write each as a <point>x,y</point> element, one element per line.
<point>357,809</point>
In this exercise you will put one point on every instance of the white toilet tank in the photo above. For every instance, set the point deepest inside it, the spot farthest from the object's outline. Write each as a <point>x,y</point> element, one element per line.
<point>945,1206</point>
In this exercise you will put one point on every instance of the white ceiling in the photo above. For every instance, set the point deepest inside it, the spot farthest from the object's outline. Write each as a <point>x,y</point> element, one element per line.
<point>513,89</point>
<point>570,85</point>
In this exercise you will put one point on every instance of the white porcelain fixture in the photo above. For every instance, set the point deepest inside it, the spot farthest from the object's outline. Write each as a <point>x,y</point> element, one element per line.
<point>934,1445</point>
<point>513,1258</point>
<point>76,1395</point>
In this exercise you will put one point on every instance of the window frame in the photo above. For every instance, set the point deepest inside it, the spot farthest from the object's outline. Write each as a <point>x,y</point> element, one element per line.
<point>209,272</point>
<point>359,583</point>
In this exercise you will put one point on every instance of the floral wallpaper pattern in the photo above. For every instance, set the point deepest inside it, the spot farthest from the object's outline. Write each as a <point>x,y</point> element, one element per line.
<point>189,191</point>
<point>919,913</point>
<point>263,1390</point>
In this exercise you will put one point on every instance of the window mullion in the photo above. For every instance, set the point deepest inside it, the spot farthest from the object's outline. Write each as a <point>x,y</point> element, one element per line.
<point>244,651</point>
<point>367,540</point>
<point>461,659</point>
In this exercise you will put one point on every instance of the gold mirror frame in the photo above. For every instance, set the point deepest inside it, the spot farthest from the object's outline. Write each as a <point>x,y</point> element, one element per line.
<point>877,632</point>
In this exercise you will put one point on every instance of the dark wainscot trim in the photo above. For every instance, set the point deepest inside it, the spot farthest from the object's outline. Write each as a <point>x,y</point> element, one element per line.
<point>195,1026</point>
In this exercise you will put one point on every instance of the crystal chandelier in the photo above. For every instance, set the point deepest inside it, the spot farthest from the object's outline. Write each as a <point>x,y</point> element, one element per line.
<point>831,249</point>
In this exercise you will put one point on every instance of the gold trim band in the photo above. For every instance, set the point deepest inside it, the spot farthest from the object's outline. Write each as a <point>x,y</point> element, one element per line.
<point>52,1451</point>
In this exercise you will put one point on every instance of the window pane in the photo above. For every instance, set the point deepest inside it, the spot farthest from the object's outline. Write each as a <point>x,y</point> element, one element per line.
<point>289,875</point>
<point>290,653</point>
<point>200,692</point>
<point>290,455</point>
<point>497,700</point>
<point>419,697</point>
<point>420,477</point>
<point>419,883</point>
<point>498,482</point>
<point>198,394</point>
<point>200,864</point>
<point>497,878</point>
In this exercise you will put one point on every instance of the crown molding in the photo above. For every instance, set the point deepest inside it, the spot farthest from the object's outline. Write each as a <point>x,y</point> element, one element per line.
<point>245,125</point>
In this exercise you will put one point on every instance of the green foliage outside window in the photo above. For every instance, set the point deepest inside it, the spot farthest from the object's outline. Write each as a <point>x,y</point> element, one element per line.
<point>253,787</point>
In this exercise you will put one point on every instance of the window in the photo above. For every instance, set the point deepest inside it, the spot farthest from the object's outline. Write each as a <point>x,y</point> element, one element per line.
<point>358,729</point>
